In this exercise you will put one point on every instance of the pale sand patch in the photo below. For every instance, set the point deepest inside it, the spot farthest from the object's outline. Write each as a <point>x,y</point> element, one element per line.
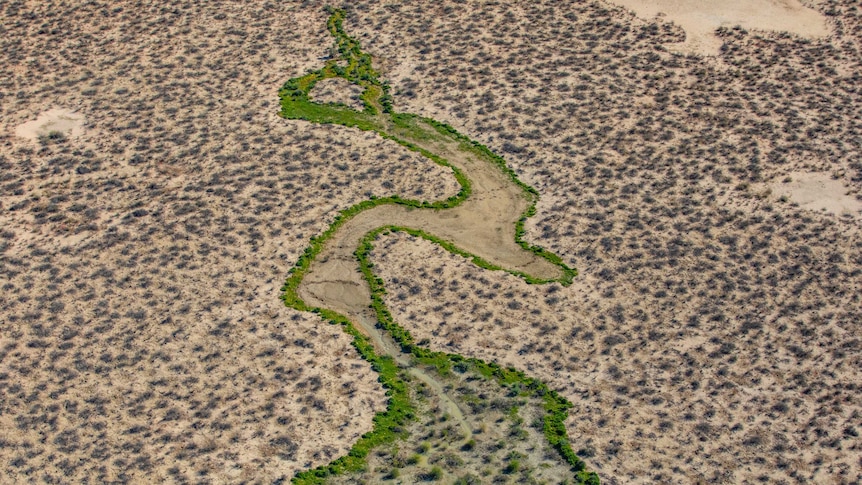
<point>61,120</point>
<point>818,191</point>
<point>700,18</point>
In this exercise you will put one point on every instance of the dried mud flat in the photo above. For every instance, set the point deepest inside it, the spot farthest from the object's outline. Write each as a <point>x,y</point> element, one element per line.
<point>711,336</point>
<point>482,225</point>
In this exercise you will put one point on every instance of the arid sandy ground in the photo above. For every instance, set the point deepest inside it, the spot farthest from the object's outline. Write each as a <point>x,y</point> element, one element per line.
<point>713,334</point>
<point>700,18</point>
<point>818,192</point>
<point>142,335</point>
<point>54,122</point>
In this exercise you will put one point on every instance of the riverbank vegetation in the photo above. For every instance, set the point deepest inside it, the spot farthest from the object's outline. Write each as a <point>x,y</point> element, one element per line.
<point>296,105</point>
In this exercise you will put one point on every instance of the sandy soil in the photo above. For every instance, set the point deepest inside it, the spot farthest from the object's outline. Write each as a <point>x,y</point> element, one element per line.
<point>818,191</point>
<point>712,336</point>
<point>700,19</point>
<point>55,120</point>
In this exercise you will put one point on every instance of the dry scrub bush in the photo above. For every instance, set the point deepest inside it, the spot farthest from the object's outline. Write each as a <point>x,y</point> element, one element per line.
<point>143,338</point>
<point>712,335</point>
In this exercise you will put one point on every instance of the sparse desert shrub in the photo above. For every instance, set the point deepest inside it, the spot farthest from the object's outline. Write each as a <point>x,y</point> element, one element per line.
<point>432,475</point>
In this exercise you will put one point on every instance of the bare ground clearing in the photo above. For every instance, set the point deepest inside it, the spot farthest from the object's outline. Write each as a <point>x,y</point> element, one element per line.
<point>818,191</point>
<point>54,121</point>
<point>700,18</point>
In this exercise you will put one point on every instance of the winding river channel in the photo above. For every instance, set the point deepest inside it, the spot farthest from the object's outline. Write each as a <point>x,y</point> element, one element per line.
<point>482,223</point>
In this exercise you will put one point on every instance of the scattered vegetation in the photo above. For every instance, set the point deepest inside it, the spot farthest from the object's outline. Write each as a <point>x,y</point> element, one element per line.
<point>503,440</point>
<point>712,337</point>
<point>555,405</point>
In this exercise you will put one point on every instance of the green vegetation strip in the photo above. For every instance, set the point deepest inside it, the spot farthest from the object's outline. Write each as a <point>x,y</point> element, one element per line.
<point>356,67</point>
<point>388,425</point>
<point>556,406</point>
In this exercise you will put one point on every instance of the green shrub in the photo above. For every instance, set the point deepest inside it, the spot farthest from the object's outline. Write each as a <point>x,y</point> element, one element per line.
<point>512,467</point>
<point>434,474</point>
<point>469,446</point>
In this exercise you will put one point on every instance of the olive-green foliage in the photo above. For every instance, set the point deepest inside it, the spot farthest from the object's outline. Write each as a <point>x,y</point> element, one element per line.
<point>436,473</point>
<point>359,70</point>
<point>556,406</point>
<point>388,425</point>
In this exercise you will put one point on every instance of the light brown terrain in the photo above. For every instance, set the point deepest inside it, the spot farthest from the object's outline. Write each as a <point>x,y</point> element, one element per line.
<point>55,122</point>
<point>818,191</point>
<point>700,18</point>
<point>711,336</point>
<point>142,336</point>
